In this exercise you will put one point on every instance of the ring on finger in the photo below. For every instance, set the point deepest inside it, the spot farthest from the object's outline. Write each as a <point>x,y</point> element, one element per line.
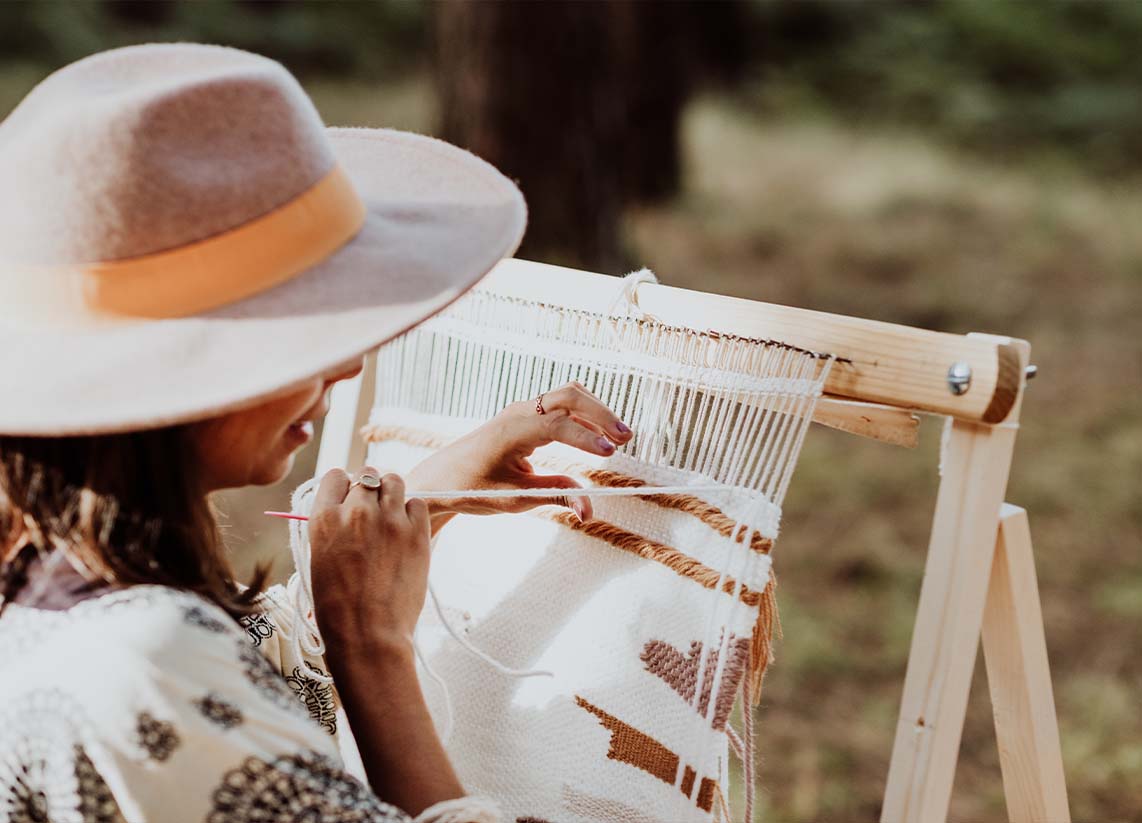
<point>367,480</point>
<point>539,405</point>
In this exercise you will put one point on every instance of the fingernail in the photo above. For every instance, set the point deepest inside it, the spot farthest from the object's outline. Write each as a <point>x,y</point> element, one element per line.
<point>605,444</point>
<point>622,428</point>
<point>577,507</point>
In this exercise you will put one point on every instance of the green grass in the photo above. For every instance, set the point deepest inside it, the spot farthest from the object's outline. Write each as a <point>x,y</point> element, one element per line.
<point>891,226</point>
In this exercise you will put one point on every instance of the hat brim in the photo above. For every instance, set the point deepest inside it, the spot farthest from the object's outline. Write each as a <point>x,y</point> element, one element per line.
<point>439,219</point>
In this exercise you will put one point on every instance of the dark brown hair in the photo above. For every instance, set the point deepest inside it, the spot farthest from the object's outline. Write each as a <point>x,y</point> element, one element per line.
<point>129,508</point>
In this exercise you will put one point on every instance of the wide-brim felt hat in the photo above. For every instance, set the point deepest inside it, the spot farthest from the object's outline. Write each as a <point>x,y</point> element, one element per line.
<point>181,236</point>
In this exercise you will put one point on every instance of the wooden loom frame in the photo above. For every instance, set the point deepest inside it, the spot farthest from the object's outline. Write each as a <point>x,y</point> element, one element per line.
<point>979,581</point>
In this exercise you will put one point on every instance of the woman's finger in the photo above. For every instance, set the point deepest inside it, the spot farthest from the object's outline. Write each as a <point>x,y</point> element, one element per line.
<point>562,428</point>
<point>417,510</point>
<point>588,424</point>
<point>331,490</point>
<point>392,495</point>
<point>360,495</point>
<point>581,403</point>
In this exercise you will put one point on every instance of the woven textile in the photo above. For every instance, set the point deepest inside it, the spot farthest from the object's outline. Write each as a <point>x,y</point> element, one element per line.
<point>640,627</point>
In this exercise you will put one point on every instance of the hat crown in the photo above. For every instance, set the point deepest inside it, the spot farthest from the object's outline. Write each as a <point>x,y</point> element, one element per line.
<point>149,148</point>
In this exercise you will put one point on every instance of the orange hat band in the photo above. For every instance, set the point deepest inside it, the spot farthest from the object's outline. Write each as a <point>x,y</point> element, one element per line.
<point>197,277</point>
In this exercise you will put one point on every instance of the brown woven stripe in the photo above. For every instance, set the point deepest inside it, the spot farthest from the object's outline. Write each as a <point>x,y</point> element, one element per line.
<point>711,515</point>
<point>680,672</point>
<point>678,562</point>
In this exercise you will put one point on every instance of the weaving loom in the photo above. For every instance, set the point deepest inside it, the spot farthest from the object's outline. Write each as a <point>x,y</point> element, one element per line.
<point>587,672</point>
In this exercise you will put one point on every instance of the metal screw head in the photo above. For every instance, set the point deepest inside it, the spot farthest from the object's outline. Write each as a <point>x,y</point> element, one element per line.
<point>959,377</point>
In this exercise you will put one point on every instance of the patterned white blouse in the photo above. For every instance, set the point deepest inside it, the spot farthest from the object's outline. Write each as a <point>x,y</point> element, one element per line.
<point>150,704</point>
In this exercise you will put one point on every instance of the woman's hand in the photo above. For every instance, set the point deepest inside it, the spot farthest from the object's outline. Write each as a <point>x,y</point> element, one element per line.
<point>495,456</point>
<point>369,562</point>
<point>370,571</point>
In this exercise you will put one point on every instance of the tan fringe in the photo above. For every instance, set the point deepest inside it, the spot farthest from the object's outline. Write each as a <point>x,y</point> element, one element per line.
<point>711,515</point>
<point>405,434</point>
<point>721,805</point>
<point>761,652</point>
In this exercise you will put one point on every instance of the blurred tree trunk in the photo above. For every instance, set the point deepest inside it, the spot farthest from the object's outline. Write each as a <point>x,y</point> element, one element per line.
<point>580,102</point>
<point>664,50</point>
<point>653,57</point>
<point>532,88</point>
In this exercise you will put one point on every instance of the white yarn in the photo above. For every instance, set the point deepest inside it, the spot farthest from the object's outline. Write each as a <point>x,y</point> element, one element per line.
<point>627,298</point>
<point>467,645</point>
<point>559,491</point>
<point>736,744</point>
<point>461,810</point>
<point>750,740</point>
<point>449,715</point>
<point>303,635</point>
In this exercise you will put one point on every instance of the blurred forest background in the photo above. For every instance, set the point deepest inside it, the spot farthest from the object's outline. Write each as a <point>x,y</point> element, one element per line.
<point>963,166</point>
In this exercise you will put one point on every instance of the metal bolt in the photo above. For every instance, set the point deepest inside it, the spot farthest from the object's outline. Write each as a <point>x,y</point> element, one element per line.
<point>959,377</point>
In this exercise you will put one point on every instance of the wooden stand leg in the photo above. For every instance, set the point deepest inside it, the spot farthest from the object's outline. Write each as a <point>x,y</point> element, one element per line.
<point>1018,677</point>
<point>945,640</point>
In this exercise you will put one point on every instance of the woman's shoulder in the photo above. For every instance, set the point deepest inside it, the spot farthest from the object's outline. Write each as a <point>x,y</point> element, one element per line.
<point>139,621</point>
<point>160,704</point>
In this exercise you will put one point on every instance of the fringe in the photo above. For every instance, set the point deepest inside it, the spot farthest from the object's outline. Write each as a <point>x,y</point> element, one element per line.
<point>761,651</point>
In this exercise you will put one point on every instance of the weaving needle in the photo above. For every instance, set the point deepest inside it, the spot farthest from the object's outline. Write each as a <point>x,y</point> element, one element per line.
<point>624,491</point>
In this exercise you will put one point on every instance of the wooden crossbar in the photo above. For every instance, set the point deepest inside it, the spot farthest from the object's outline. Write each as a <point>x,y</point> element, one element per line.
<point>980,573</point>
<point>881,362</point>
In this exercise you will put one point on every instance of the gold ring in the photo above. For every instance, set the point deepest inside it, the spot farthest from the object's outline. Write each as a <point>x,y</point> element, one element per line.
<point>539,405</point>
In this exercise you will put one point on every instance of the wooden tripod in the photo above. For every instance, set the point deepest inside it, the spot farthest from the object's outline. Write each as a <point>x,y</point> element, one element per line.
<point>980,574</point>
<point>980,577</point>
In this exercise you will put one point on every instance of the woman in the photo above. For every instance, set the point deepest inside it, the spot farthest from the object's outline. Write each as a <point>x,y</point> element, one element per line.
<point>188,261</point>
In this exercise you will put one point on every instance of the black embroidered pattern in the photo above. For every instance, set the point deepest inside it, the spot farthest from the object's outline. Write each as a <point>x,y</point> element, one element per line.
<point>37,795</point>
<point>219,711</point>
<point>304,787</point>
<point>316,697</point>
<point>259,626</point>
<point>198,616</point>
<point>265,679</point>
<point>156,737</point>
<point>96,803</point>
<point>24,803</point>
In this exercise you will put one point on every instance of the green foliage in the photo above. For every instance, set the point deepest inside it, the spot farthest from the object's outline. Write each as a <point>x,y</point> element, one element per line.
<point>364,39</point>
<point>1001,76</point>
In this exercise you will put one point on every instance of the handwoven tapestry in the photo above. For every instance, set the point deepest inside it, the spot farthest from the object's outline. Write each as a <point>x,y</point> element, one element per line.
<point>588,671</point>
